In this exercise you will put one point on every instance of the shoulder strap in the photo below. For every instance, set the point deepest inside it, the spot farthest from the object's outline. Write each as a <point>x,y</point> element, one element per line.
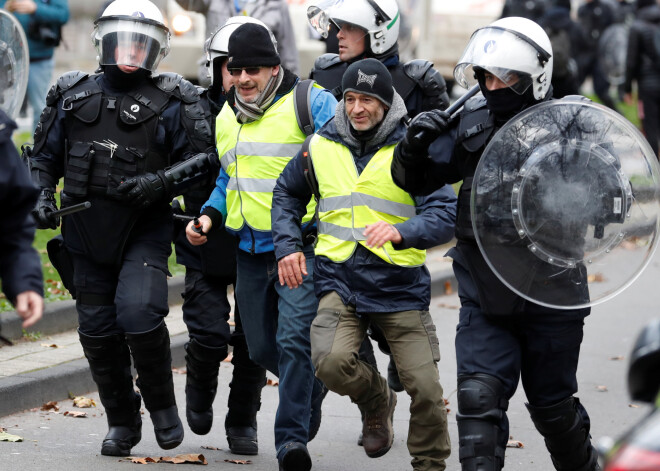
<point>303,107</point>
<point>312,182</point>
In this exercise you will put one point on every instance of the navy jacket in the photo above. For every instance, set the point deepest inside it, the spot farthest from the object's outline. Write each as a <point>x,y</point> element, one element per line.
<point>364,280</point>
<point>20,265</point>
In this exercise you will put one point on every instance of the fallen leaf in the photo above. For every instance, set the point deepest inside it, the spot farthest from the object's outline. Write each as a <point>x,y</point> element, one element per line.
<point>180,459</point>
<point>207,447</point>
<point>601,388</point>
<point>229,357</point>
<point>448,306</point>
<point>634,406</point>
<point>617,358</point>
<point>231,323</point>
<point>50,345</point>
<point>51,405</point>
<point>180,371</point>
<point>448,288</point>
<point>239,461</point>
<point>139,460</point>
<point>8,437</point>
<point>596,278</point>
<point>73,413</point>
<point>83,402</point>
<point>514,444</point>
<point>270,382</point>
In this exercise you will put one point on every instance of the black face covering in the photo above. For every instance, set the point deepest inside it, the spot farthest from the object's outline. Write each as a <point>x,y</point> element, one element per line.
<point>123,82</point>
<point>504,103</point>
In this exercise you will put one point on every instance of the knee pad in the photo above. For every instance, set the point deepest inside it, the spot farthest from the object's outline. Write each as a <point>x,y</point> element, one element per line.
<point>482,423</point>
<point>565,427</point>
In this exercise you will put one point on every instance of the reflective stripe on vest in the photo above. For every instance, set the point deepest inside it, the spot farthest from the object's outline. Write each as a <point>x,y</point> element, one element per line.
<point>350,202</point>
<point>253,155</point>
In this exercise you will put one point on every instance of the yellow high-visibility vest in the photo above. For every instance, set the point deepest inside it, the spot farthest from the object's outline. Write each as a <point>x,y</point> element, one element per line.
<point>253,155</point>
<point>350,201</point>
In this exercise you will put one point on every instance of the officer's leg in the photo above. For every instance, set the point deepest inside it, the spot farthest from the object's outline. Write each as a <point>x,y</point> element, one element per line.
<point>109,360</point>
<point>602,86</point>
<point>549,377</point>
<point>651,121</point>
<point>244,401</point>
<point>141,309</point>
<point>205,312</point>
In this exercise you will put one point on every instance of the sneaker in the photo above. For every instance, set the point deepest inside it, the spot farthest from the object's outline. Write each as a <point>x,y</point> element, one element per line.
<point>377,432</point>
<point>295,457</point>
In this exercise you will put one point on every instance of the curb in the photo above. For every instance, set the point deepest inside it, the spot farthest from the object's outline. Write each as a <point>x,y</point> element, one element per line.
<point>73,378</point>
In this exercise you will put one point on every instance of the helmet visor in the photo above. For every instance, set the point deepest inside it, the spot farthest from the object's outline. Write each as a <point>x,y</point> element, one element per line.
<point>502,53</point>
<point>131,43</point>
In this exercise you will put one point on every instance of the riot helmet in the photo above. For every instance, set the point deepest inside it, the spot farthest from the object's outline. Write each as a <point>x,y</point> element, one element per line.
<point>515,50</point>
<point>217,44</point>
<point>380,20</point>
<point>131,33</point>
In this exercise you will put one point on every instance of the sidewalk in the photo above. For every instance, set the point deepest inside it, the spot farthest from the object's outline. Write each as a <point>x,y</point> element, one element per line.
<point>52,367</point>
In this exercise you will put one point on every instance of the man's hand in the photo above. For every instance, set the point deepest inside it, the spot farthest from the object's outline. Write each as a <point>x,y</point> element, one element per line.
<point>21,6</point>
<point>30,307</point>
<point>291,269</point>
<point>144,190</point>
<point>423,130</point>
<point>379,233</point>
<point>195,237</point>
<point>42,213</point>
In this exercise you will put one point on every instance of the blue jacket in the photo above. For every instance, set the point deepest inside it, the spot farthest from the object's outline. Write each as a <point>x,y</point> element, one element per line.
<point>20,265</point>
<point>323,108</point>
<point>48,11</point>
<point>364,280</point>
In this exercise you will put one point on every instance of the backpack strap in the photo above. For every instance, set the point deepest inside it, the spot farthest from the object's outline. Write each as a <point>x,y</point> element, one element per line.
<point>302,106</point>
<point>309,236</point>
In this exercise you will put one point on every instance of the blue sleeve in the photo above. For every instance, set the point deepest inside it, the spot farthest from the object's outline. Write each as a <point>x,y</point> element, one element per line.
<point>323,107</point>
<point>172,134</point>
<point>434,223</point>
<point>218,198</point>
<point>290,197</point>
<point>56,11</point>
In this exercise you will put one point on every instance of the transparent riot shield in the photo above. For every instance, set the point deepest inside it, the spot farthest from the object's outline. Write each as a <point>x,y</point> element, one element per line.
<point>14,64</point>
<point>565,203</point>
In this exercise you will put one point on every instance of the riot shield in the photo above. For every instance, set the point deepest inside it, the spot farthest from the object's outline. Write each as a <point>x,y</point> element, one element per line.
<point>612,48</point>
<point>565,203</point>
<point>14,64</point>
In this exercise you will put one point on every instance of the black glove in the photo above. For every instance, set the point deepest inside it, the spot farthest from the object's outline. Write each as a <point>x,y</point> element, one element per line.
<point>42,213</point>
<point>144,190</point>
<point>423,129</point>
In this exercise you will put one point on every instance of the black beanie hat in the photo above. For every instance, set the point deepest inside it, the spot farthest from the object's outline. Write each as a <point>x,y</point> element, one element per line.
<point>251,46</point>
<point>644,3</point>
<point>371,77</point>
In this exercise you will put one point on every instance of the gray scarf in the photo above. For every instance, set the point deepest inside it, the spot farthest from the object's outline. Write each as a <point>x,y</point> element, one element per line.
<point>249,112</point>
<point>387,126</point>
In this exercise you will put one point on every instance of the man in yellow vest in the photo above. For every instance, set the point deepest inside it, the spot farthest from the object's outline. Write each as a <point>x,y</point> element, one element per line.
<point>257,134</point>
<point>369,264</point>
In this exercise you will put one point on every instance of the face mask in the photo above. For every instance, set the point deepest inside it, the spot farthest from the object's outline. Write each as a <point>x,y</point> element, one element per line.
<point>504,103</point>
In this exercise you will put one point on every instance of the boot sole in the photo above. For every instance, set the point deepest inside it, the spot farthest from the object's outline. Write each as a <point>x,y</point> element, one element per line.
<point>243,447</point>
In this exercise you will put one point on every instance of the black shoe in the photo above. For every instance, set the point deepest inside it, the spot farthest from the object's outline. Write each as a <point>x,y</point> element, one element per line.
<point>119,440</point>
<point>295,457</point>
<point>315,416</point>
<point>167,427</point>
<point>393,380</point>
<point>242,440</point>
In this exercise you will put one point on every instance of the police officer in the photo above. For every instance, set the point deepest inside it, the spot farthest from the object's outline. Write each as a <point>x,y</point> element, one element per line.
<point>210,269</point>
<point>117,139</point>
<point>370,28</point>
<point>517,339</point>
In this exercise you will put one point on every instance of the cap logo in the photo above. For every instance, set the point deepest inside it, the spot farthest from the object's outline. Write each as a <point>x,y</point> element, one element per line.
<point>139,14</point>
<point>490,46</point>
<point>364,78</point>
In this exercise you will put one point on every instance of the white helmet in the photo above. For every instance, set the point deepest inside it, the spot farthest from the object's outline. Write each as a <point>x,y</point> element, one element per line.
<point>379,18</point>
<point>131,32</point>
<point>510,48</point>
<point>217,44</point>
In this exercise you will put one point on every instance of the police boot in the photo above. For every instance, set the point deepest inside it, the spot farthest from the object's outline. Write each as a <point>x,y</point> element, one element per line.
<point>565,428</point>
<point>153,361</point>
<point>248,378</point>
<point>110,363</point>
<point>483,428</point>
<point>202,364</point>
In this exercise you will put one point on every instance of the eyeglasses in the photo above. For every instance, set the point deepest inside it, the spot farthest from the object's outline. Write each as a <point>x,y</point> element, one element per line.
<point>248,70</point>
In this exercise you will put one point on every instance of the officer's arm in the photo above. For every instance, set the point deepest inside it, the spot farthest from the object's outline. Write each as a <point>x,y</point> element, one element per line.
<point>54,11</point>
<point>434,223</point>
<point>290,197</point>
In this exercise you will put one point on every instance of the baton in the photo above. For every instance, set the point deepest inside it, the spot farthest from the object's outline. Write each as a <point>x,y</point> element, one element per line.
<point>455,107</point>
<point>70,209</point>
<point>197,226</point>
<point>183,217</point>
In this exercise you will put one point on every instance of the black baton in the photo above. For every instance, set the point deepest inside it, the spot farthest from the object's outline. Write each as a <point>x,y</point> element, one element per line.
<point>70,209</point>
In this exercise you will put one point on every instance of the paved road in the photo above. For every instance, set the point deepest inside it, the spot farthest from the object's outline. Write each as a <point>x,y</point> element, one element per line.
<point>57,442</point>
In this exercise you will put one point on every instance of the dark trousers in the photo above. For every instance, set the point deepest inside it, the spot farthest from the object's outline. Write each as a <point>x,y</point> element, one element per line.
<point>130,297</point>
<point>651,122</point>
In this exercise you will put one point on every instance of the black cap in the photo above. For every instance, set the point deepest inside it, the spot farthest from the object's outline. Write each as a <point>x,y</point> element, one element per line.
<point>371,77</point>
<point>251,46</point>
